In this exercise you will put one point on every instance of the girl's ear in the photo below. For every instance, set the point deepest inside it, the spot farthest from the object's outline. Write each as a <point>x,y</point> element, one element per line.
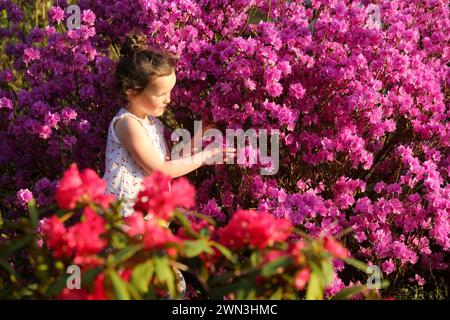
<point>131,93</point>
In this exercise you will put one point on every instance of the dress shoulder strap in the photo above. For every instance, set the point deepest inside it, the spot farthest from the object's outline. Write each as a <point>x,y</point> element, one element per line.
<point>122,113</point>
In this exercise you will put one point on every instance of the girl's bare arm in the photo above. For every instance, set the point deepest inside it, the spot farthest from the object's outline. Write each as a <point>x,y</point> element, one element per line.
<point>134,138</point>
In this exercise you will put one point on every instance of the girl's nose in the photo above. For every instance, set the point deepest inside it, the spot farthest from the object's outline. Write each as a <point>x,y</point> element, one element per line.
<point>167,100</point>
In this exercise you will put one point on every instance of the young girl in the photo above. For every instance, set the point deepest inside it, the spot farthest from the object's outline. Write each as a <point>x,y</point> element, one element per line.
<point>136,145</point>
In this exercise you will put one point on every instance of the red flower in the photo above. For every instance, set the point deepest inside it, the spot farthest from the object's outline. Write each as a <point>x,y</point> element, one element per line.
<point>259,230</point>
<point>335,248</point>
<point>135,224</point>
<point>301,279</point>
<point>72,294</point>
<point>295,250</point>
<point>98,291</point>
<point>273,255</point>
<point>159,198</point>
<point>82,240</point>
<point>70,188</point>
<point>197,227</point>
<point>155,237</point>
<point>158,237</point>
<point>85,186</point>
<point>183,193</point>
<point>87,234</point>
<point>57,237</point>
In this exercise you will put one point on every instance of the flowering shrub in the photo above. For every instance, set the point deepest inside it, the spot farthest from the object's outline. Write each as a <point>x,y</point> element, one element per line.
<point>136,258</point>
<point>362,112</point>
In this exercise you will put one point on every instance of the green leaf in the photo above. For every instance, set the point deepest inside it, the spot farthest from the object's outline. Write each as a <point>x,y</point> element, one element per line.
<point>125,253</point>
<point>15,245</point>
<point>272,267</point>
<point>224,251</point>
<point>58,285</point>
<point>327,272</point>
<point>237,286</point>
<point>141,276</point>
<point>246,290</point>
<point>314,291</point>
<point>184,222</point>
<point>87,277</point>
<point>151,294</point>
<point>348,292</point>
<point>193,248</point>
<point>164,273</point>
<point>5,265</point>
<point>356,263</point>
<point>220,278</point>
<point>277,295</point>
<point>34,214</point>
<point>135,295</point>
<point>119,286</point>
<point>254,258</point>
<point>118,240</point>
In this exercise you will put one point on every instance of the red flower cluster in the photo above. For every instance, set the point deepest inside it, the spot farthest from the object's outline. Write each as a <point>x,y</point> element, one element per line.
<point>98,291</point>
<point>335,248</point>
<point>154,236</point>
<point>302,278</point>
<point>82,240</point>
<point>81,187</point>
<point>160,196</point>
<point>257,229</point>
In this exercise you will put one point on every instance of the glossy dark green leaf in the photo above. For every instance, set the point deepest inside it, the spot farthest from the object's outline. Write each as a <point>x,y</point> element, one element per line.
<point>125,253</point>
<point>272,267</point>
<point>142,275</point>
<point>14,245</point>
<point>314,291</point>
<point>357,264</point>
<point>348,293</point>
<point>165,273</point>
<point>34,214</point>
<point>193,248</point>
<point>119,286</point>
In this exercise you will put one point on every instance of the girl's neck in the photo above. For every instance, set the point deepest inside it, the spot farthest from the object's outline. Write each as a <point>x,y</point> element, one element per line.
<point>138,114</point>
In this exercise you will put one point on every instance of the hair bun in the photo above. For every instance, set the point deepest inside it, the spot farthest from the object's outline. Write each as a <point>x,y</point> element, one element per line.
<point>133,43</point>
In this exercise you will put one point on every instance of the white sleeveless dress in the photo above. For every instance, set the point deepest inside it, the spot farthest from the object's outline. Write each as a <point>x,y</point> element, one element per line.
<point>123,174</point>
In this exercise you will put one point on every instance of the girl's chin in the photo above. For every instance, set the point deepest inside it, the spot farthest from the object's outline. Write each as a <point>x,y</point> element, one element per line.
<point>157,112</point>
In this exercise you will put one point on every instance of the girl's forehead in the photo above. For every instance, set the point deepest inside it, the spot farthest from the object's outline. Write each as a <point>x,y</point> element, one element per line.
<point>164,83</point>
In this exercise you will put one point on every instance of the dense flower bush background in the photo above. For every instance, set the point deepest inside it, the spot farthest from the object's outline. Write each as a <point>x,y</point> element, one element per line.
<point>362,111</point>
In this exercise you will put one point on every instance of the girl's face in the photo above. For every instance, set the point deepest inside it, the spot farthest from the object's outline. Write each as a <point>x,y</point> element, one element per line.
<point>155,97</point>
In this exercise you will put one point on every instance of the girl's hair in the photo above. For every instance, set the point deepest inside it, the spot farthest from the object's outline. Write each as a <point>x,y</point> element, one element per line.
<point>139,64</point>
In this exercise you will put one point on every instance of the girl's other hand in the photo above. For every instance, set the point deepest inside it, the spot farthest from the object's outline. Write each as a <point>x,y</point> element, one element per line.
<point>208,126</point>
<point>227,154</point>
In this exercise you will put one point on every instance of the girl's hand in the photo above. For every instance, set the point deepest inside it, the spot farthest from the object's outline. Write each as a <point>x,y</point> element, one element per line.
<point>207,127</point>
<point>227,154</point>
